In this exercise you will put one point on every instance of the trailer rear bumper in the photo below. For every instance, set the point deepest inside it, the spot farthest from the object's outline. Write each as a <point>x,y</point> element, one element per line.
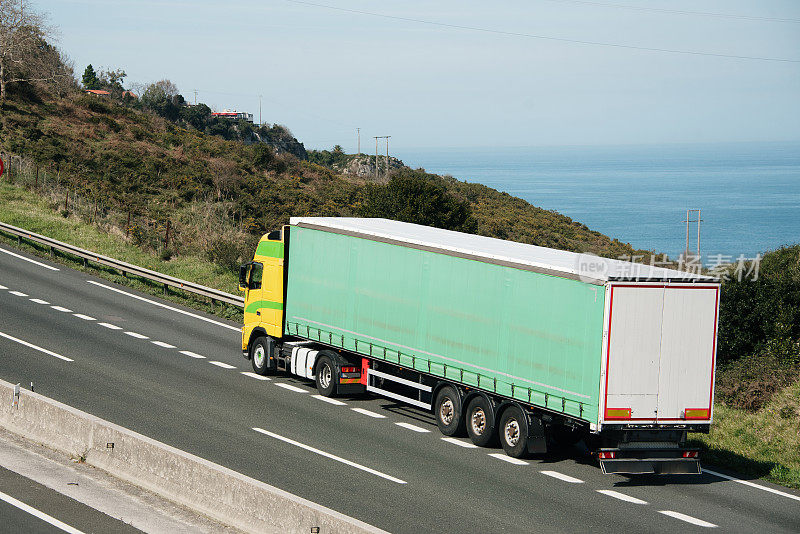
<point>649,461</point>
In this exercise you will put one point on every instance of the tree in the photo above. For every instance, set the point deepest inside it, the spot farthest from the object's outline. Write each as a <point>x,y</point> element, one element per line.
<point>25,55</point>
<point>90,80</point>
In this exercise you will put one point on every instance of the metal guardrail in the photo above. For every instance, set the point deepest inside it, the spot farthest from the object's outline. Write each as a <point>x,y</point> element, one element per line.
<point>124,268</point>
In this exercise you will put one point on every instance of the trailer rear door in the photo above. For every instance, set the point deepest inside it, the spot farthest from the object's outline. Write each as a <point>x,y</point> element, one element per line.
<point>660,351</point>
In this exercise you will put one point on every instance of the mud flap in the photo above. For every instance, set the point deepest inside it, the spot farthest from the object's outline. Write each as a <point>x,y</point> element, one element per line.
<point>537,441</point>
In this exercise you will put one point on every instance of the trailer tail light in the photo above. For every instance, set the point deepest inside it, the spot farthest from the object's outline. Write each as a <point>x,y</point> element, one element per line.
<point>350,369</point>
<point>606,455</point>
<point>690,454</point>
<point>695,413</point>
<point>618,413</point>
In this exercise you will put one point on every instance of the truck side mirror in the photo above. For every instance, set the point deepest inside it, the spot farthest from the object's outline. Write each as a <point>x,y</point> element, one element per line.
<point>243,269</point>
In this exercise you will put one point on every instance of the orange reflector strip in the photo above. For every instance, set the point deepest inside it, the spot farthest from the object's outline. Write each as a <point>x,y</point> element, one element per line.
<point>618,413</point>
<point>695,413</point>
<point>349,380</point>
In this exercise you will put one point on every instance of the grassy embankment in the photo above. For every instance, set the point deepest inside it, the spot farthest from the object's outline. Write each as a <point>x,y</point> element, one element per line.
<point>28,210</point>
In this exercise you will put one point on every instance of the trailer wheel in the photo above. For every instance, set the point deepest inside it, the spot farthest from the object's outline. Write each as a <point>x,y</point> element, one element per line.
<point>480,421</point>
<point>259,355</point>
<point>326,376</point>
<point>449,412</point>
<point>513,432</point>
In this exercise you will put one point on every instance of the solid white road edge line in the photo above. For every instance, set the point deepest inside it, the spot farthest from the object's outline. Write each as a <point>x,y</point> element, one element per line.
<point>460,443</point>
<point>622,496</point>
<point>688,518</point>
<point>40,264</point>
<point>368,413</point>
<point>329,455</point>
<point>41,515</point>
<point>507,458</point>
<point>412,427</point>
<point>163,344</point>
<point>192,354</point>
<point>154,303</point>
<point>752,484</point>
<point>330,400</point>
<point>562,476</point>
<point>253,375</point>
<point>290,387</point>
<point>222,364</point>
<point>40,349</point>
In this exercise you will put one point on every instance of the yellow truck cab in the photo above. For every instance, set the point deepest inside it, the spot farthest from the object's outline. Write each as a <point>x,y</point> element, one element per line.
<point>262,281</point>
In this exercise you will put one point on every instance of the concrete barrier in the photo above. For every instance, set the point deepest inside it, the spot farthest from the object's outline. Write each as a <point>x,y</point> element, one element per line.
<point>213,490</point>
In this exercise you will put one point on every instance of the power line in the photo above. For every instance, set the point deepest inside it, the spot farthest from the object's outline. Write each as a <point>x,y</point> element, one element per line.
<point>678,11</point>
<point>545,37</point>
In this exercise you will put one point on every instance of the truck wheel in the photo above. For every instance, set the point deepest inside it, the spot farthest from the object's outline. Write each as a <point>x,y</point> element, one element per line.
<point>326,376</point>
<point>449,413</point>
<point>259,355</point>
<point>480,421</point>
<point>513,432</point>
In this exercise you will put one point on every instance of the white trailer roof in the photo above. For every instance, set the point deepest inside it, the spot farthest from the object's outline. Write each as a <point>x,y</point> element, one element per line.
<point>585,267</point>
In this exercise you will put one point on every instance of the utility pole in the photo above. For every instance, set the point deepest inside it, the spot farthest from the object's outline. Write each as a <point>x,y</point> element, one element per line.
<point>195,97</point>
<point>358,130</point>
<point>690,220</point>
<point>387,156</point>
<point>376,157</point>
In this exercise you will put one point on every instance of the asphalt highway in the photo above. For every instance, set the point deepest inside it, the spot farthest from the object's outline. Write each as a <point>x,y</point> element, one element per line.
<point>177,375</point>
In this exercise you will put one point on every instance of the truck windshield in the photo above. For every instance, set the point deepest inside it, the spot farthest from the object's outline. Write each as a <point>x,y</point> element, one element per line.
<point>256,270</point>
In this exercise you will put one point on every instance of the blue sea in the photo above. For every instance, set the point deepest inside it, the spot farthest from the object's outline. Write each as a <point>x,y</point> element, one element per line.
<point>748,193</point>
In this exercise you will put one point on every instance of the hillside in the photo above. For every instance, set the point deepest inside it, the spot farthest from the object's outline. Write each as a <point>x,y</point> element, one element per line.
<point>223,193</point>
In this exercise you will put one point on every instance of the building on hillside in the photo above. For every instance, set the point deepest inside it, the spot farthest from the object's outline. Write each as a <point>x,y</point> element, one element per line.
<point>130,94</point>
<point>234,115</point>
<point>99,93</point>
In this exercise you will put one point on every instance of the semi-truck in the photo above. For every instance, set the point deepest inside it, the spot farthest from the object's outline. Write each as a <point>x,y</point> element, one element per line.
<point>503,342</point>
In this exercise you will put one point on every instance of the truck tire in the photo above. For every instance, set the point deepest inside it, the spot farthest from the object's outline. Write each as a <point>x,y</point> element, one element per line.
<point>326,376</point>
<point>513,432</point>
<point>449,412</point>
<point>479,420</point>
<point>259,355</point>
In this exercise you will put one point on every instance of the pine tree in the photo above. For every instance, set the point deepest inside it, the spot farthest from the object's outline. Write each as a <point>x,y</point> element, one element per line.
<point>90,80</point>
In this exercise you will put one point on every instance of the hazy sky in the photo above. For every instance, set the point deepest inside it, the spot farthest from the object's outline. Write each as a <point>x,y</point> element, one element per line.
<point>324,72</point>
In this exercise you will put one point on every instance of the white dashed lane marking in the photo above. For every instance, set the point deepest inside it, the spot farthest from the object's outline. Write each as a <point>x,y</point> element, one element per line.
<point>222,364</point>
<point>251,375</point>
<point>39,301</point>
<point>192,354</point>
<point>36,347</point>
<point>328,455</point>
<point>562,476</point>
<point>330,400</point>
<point>61,309</point>
<point>110,326</point>
<point>136,335</point>
<point>368,413</point>
<point>506,458</point>
<point>163,344</point>
<point>18,293</point>
<point>38,513</point>
<point>688,518</point>
<point>3,287</point>
<point>84,317</point>
<point>415,428</point>
<point>460,443</point>
<point>290,387</point>
<point>622,496</point>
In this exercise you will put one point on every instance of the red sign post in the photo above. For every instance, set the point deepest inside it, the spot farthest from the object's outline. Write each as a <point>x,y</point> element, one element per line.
<point>2,168</point>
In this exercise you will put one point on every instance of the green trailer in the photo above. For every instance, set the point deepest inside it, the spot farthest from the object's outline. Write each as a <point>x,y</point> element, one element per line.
<point>499,339</point>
